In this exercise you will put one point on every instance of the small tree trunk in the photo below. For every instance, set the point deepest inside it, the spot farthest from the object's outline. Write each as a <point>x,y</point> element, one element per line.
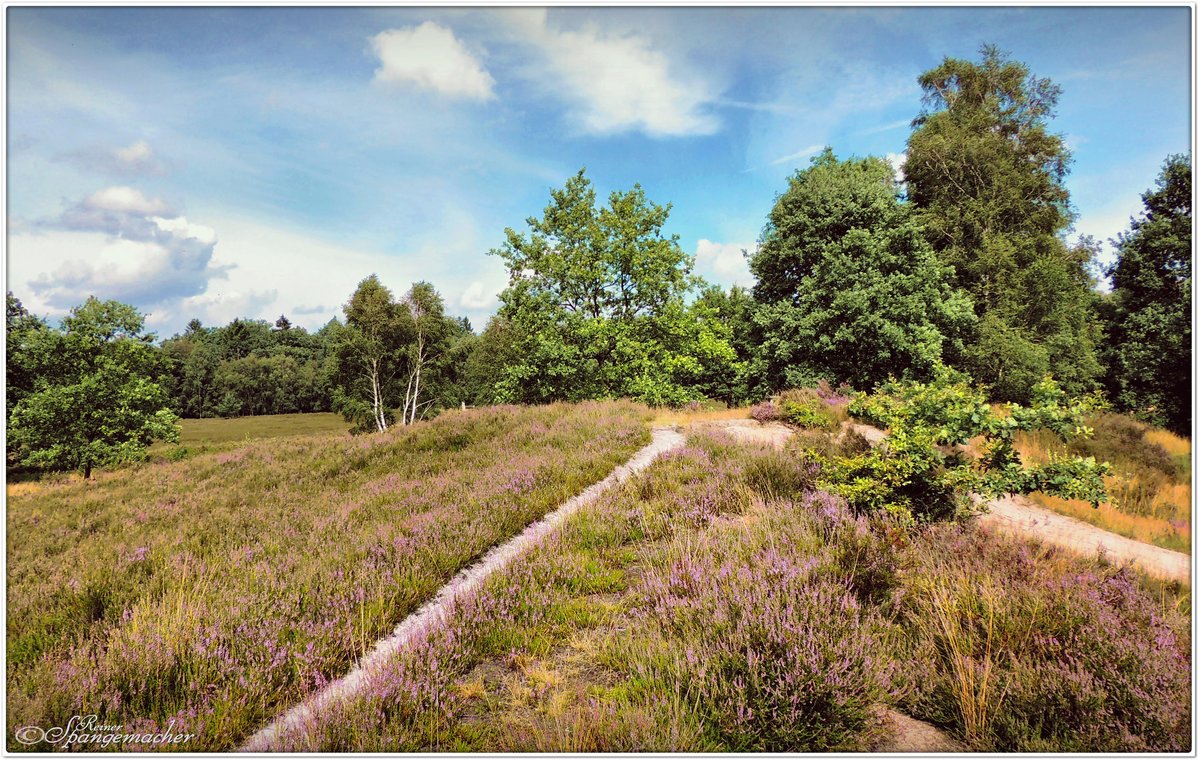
<point>87,470</point>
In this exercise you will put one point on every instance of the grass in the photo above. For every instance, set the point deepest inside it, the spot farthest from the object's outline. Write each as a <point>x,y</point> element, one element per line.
<point>1150,488</point>
<point>201,431</point>
<point>716,603</point>
<point>216,591</point>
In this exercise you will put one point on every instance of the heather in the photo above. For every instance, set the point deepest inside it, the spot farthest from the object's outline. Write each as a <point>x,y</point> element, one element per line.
<point>718,602</point>
<point>1021,648</point>
<point>219,590</point>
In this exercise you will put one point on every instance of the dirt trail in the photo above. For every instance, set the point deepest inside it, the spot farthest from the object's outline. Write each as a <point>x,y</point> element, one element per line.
<point>1020,516</point>
<point>434,612</point>
<point>910,735</point>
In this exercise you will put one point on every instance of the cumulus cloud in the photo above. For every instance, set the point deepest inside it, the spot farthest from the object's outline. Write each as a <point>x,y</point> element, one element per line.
<point>727,261</point>
<point>897,161</point>
<point>618,82</point>
<point>477,296</point>
<point>431,57</point>
<point>136,159</point>
<point>120,244</point>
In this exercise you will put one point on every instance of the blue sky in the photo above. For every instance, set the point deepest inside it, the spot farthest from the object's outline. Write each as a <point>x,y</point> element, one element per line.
<point>222,162</point>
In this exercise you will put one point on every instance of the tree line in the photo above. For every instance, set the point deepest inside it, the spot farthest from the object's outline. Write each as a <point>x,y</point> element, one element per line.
<point>861,276</point>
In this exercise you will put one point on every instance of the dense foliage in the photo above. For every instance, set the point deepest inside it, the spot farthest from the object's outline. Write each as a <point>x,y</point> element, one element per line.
<point>945,441</point>
<point>596,306</point>
<point>89,394</point>
<point>986,176</point>
<point>849,289</point>
<point>1150,315</point>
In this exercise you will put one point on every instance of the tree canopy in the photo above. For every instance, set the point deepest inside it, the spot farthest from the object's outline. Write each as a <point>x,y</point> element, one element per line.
<point>1150,328</point>
<point>849,288</point>
<point>987,176</point>
<point>97,396</point>
<point>596,305</point>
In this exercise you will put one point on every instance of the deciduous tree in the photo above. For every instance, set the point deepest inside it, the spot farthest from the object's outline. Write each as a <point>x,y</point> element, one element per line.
<point>100,400</point>
<point>987,176</point>
<point>1150,329</point>
<point>849,290</point>
<point>596,304</point>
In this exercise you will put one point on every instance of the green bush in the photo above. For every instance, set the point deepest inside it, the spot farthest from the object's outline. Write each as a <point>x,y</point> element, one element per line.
<point>922,471</point>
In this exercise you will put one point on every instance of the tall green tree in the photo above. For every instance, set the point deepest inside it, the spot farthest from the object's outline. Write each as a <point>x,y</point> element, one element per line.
<point>1150,328</point>
<point>849,290</point>
<point>987,176</point>
<point>428,333</point>
<point>370,357</point>
<point>596,304</point>
<point>100,399</point>
<point>23,334</point>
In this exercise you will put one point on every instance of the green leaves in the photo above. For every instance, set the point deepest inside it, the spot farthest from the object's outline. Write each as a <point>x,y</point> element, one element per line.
<point>595,307</point>
<point>1151,305</point>
<point>97,396</point>
<point>986,177</point>
<point>849,289</point>
<point>925,471</point>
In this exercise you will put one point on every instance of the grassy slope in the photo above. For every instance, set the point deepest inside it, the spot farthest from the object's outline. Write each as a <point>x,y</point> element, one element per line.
<point>200,431</point>
<point>700,609</point>
<point>218,590</point>
<point>1150,488</point>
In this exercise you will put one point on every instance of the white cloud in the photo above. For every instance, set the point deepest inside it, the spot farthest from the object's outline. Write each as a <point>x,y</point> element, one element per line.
<point>897,161</point>
<point>431,57</point>
<point>618,82</point>
<point>115,244</point>
<point>135,159</point>
<point>727,261</point>
<point>124,199</point>
<point>477,296</point>
<point>803,153</point>
<point>134,154</point>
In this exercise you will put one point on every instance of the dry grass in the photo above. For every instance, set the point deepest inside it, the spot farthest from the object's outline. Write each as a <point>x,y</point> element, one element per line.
<point>683,416</point>
<point>1146,503</point>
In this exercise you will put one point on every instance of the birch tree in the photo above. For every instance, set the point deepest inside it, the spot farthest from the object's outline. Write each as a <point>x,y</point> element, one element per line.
<point>370,357</point>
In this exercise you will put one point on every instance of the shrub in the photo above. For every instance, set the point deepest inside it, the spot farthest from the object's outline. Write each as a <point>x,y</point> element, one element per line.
<point>923,472</point>
<point>765,412</point>
<point>776,655</point>
<point>1025,651</point>
<point>805,408</point>
<point>776,474</point>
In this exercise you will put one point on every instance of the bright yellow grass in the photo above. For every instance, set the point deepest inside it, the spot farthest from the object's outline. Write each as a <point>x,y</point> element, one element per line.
<point>684,417</point>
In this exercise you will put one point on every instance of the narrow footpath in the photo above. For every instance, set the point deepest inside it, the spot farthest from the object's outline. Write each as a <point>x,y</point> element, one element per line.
<point>435,612</point>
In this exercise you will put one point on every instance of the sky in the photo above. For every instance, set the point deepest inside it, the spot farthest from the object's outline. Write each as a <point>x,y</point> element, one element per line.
<point>251,162</point>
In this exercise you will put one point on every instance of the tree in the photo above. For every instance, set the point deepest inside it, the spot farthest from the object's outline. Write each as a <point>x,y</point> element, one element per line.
<point>423,318</point>
<point>596,304</point>
<point>1150,331</point>
<point>23,333</point>
<point>849,290</point>
<point>987,177</point>
<point>102,401</point>
<point>370,357</point>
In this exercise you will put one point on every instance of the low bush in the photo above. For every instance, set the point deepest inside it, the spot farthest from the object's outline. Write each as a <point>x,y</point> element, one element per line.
<point>924,470</point>
<point>1022,650</point>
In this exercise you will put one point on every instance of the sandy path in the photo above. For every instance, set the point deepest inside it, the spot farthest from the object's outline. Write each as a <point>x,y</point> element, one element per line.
<point>910,735</point>
<point>435,611</point>
<point>1020,516</point>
